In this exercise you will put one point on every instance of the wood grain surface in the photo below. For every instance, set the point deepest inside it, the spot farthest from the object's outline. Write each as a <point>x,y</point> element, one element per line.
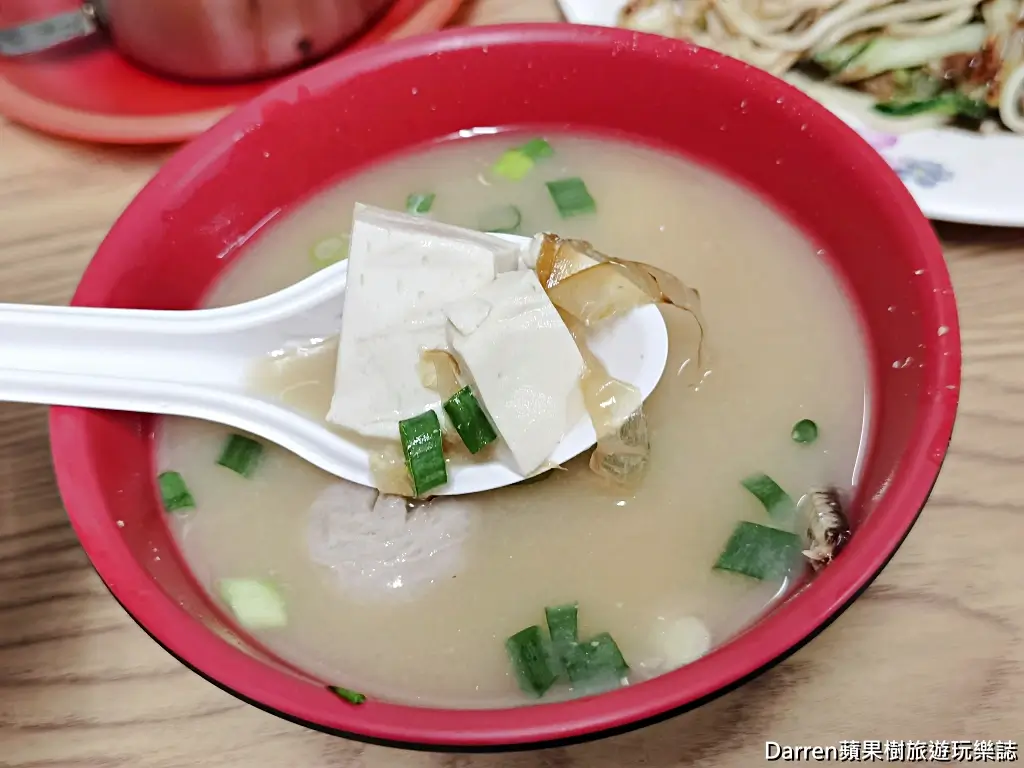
<point>932,651</point>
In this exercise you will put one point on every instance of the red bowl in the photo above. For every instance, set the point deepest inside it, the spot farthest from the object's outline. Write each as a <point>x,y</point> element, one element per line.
<point>181,232</point>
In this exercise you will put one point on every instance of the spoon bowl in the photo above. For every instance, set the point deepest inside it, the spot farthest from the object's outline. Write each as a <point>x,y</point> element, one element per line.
<point>198,363</point>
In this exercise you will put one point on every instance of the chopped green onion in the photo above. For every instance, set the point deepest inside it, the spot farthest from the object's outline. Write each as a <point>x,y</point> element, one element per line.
<point>805,431</point>
<point>256,604</point>
<point>420,202</point>
<point>531,660</point>
<point>759,551</point>
<point>424,453</point>
<point>537,149</point>
<point>352,697</point>
<point>241,454</point>
<point>505,218</point>
<point>596,660</point>
<point>469,420</point>
<point>563,626</point>
<point>174,492</point>
<point>513,165</point>
<point>775,500</point>
<point>571,197</point>
<point>329,251</point>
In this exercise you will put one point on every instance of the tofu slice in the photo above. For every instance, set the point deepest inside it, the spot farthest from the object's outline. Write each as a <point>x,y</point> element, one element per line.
<point>523,361</point>
<point>403,270</point>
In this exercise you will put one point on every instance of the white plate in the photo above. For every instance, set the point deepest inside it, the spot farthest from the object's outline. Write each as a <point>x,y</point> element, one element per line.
<point>954,175</point>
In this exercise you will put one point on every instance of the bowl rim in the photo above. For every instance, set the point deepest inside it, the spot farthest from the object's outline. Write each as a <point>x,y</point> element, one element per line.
<point>773,638</point>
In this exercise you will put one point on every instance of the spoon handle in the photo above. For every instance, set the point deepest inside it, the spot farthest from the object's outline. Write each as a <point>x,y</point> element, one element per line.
<point>188,363</point>
<point>120,359</point>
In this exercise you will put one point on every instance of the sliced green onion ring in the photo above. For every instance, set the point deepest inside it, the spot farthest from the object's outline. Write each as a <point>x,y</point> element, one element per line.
<point>346,694</point>
<point>469,420</point>
<point>174,492</point>
<point>805,431</point>
<point>759,551</point>
<point>571,197</point>
<point>531,660</point>
<point>241,454</point>
<point>420,202</point>
<point>424,451</point>
<point>776,501</point>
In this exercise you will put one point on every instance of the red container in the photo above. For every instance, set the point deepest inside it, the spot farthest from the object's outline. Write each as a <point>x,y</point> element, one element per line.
<point>174,240</point>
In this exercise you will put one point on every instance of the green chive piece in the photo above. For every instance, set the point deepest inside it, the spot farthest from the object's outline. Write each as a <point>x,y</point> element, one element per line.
<point>531,659</point>
<point>469,420</point>
<point>329,251</point>
<point>352,697</point>
<point>805,431</point>
<point>563,626</point>
<point>775,500</point>
<point>241,454</point>
<point>596,661</point>
<point>519,161</point>
<point>256,604</point>
<point>571,197</point>
<point>513,165</point>
<point>537,149</point>
<point>424,453</point>
<point>420,202</point>
<point>174,492</point>
<point>759,551</point>
<point>505,219</point>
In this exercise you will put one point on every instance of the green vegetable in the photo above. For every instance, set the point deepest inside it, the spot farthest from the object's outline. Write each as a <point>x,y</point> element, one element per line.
<point>505,218</point>
<point>571,197</point>
<point>513,165</point>
<point>595,661</point>
<point>835,60</point>
<point>424,454</point>
<point>775,500</point>
<point>519,161</point>
<point>951,103</point>
<point>563,627</point>
<point>256,604</point>
<point>329,251</point>
<point>420,202</point>
<point>804,431</point>
<point>759,551</point>
<point>241,454</point>
<point>537,149</point>
<point>352,697</point>
<point>855,61</point>
<point>914,85</point>
<point>174,492</point>
<point>531,659</point>
<point>469,420</point>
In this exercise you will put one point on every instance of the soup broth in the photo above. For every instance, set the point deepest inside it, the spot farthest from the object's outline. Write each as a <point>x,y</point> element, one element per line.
<point>416,606</point>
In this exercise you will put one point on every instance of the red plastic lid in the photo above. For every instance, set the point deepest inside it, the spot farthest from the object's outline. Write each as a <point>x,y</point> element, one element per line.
<point>87,91</point>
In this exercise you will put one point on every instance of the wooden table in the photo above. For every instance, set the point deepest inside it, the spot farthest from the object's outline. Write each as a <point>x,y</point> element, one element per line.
<point>932,651</point>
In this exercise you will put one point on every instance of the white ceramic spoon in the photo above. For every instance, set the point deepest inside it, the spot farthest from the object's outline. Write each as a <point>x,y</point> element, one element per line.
<point>197,363</point>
